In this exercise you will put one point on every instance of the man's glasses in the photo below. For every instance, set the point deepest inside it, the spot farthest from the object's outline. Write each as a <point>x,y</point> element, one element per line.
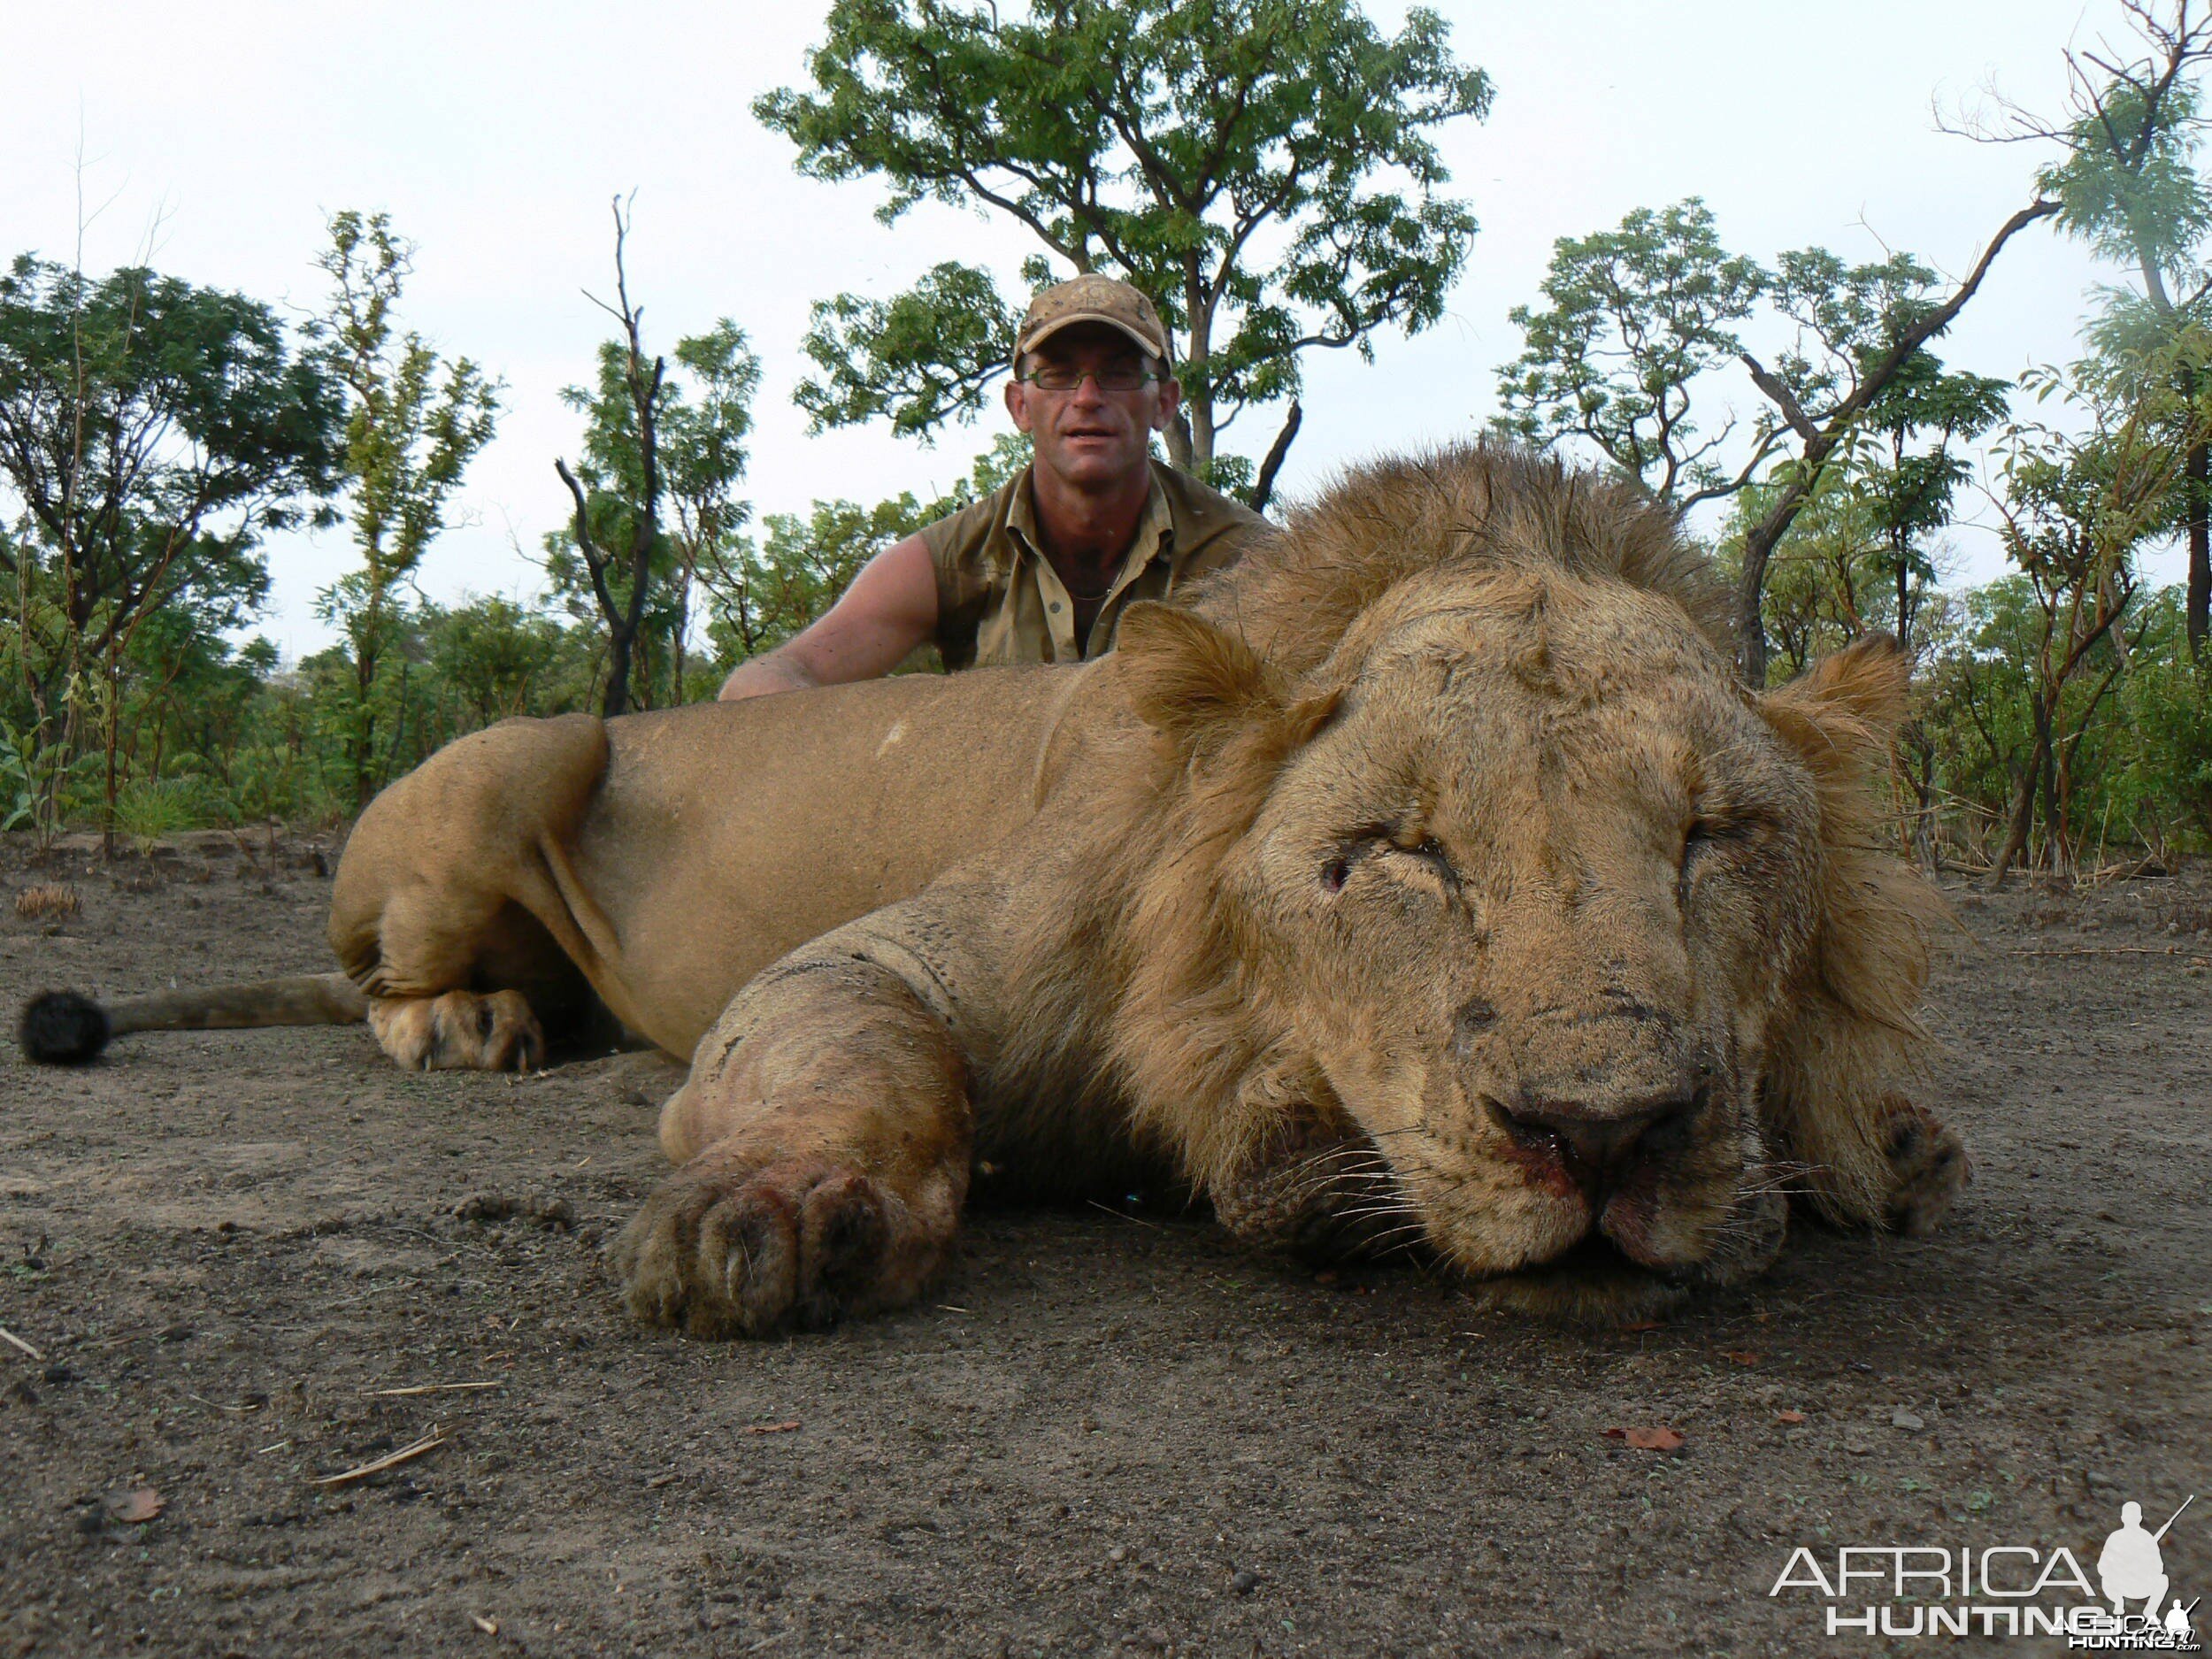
<point>1115,377</point>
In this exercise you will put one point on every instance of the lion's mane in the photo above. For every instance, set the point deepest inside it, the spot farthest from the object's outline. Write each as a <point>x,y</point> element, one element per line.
<point>1215,1070</point>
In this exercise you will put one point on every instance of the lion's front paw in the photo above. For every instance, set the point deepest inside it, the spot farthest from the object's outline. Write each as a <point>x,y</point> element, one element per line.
<point>460,1030</point>
<point>727,1246</point>
<point>1928,1166</point>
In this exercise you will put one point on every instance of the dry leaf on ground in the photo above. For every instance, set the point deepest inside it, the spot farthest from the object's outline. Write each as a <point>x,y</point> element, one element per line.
<point>135,1507</point>
<point>770,1428</point>
<point>1649,1440</point>
<point>1789,1417</point>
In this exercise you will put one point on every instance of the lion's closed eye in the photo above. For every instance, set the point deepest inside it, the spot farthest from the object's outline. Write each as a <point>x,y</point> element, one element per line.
<point>1428,855</point>
<point>1715,836</point>
<point>1422,860</point>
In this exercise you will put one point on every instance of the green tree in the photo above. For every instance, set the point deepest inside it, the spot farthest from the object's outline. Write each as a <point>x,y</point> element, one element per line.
<point>2167,713</point>
<point>1632,317</point>
<point>1638,316</point>
<point>1824,586</point>
<point>1908,468</point>
<point>151,434</point>
<point>2079,506</point>
<point>703,442</point>
<point>653,493</point>
<point>2128,185</point>
<point>414,421</point>
<point>765,594</point>
<point>495,658</point>
<point>1261,169</point>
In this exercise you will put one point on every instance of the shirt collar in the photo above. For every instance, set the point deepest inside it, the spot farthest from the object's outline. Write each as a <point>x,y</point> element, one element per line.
<point>1153,536</point>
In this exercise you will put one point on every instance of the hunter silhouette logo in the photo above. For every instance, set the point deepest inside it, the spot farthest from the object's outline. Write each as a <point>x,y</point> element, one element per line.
<point>2007,1590</point>
<point>2131,1569</point>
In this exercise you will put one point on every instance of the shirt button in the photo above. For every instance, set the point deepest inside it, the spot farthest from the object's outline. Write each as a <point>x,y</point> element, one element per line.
<point>1055,607</point>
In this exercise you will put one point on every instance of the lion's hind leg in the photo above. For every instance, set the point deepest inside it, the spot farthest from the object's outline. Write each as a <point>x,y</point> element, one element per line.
<point>459,1031</point>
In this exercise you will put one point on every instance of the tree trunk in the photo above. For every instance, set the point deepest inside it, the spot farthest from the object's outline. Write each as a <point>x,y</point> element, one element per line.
<point>1178,445</point>
<point>364,736</point>
<point>1920,773</point>
<point>108,740</point>
<point>2200,601</point>
<point>2016,831</point>
<point>2024,807</point>
<point>617,697</point>
<point>1751,632</point>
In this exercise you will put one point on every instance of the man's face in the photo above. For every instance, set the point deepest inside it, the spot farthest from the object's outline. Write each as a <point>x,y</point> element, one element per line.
<point>1086,436</point>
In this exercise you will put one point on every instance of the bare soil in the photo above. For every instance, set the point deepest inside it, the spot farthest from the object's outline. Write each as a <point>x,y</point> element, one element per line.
<point>243,1257</point>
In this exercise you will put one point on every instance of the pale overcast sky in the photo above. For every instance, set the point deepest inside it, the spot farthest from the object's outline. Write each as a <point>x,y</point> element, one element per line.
<point>494,135</point>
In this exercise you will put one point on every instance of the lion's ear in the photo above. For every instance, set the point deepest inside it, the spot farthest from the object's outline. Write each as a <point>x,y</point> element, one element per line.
<point>1186,677</point>
<point>1199,686</point>
<point>1843,715</point>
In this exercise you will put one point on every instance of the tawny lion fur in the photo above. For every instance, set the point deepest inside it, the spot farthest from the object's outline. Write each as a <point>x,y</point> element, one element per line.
<point>1430,884</point>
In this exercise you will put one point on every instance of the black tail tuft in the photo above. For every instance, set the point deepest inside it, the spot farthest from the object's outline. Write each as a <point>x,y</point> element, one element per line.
<point>62,1028</point>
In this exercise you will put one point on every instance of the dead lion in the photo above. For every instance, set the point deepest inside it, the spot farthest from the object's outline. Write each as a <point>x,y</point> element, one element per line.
<point>1431,883</point>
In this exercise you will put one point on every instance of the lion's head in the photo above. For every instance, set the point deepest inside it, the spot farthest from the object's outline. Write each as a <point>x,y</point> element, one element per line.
<point>1469,895</point>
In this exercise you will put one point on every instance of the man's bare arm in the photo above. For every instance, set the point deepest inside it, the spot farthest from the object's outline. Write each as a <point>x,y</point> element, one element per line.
<point>890,609</point>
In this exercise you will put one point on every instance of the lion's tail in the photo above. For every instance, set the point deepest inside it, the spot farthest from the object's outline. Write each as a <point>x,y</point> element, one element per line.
<point>67,1028</point>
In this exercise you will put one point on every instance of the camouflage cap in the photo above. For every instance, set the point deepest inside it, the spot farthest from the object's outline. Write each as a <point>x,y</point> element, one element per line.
<point>1091,298</point>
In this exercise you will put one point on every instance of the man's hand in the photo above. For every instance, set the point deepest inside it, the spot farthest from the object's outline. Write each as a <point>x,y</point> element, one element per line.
<point>890,609</point>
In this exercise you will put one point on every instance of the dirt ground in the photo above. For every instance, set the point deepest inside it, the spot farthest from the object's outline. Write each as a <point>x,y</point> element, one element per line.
<point>244,1259</point>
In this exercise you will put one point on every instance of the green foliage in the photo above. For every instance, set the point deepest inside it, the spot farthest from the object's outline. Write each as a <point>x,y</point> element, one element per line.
<point>1263,169</point>
<point>766,594</point>
<point>2128,184</point>
<point>147,808</point>
<point>2164,779</point>
<point>150,433</point>
<point>20,792</point>
<point>497,658</point>
<point>918,359</point>
<point>701,421</point>
<point>413,423</point>
<point>1636,318</point>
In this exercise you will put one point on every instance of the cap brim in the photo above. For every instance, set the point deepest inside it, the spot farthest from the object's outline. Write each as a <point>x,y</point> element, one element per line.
<point>1045,331</point>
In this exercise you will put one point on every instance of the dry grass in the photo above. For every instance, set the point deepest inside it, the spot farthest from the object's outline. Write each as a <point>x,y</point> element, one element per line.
<point>47,899</point>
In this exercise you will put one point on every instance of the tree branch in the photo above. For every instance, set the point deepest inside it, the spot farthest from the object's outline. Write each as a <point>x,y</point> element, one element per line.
<point>1760,541</point>
<point>1264,486</point>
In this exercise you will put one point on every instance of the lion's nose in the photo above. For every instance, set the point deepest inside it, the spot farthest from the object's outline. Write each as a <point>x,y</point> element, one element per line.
<point>1600,1142</point>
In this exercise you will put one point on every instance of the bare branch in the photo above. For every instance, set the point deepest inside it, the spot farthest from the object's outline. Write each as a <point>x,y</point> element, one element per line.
<point>1264,486</point>
<point>1779,393</point>
<point>1759,539</point>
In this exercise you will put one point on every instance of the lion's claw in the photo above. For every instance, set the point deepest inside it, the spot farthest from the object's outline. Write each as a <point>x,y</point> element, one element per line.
<point>727,1249</point>
<point>459,1031</point>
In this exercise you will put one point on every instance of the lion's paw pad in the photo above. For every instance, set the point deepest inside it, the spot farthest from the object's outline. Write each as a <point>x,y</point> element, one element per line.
<point>726,1253</point>
<point>459,1031</point>
<point>1928,1166</point>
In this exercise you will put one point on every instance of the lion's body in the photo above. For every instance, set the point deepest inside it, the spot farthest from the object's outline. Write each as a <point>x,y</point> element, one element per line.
<point>670,857</point>
<point>1434,882</point>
